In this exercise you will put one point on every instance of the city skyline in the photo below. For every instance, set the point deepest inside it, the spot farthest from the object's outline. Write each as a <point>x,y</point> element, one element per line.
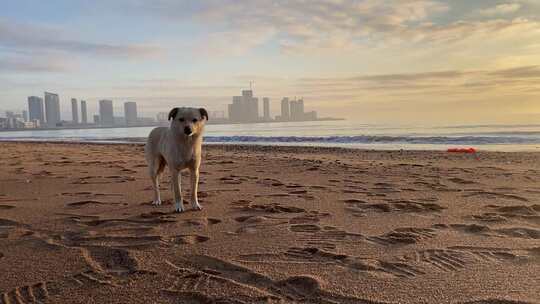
<point>246,108</point>
<point>382,61</point>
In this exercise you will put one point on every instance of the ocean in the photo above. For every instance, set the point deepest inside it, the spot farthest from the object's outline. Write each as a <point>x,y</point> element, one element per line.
<point>340,133</point>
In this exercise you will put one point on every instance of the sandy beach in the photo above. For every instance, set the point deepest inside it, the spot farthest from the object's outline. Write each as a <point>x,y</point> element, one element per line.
<point>279,225</point>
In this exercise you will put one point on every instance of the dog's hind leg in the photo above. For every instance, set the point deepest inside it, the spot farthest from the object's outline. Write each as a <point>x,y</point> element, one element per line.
<point>175,179</point>
<point>156,167</point>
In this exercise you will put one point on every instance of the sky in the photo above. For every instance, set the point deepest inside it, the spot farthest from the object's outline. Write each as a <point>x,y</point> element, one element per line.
<point>375,61</point>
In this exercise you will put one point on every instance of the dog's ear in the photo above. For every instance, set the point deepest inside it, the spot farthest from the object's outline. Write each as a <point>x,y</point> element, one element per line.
<point>172,113</point>
<point>204,113</point>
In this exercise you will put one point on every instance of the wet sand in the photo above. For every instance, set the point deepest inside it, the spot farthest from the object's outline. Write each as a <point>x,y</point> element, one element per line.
<point>279,225</point>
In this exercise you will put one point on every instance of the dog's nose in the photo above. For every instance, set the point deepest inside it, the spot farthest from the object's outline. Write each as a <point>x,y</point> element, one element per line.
<point>187,130</point>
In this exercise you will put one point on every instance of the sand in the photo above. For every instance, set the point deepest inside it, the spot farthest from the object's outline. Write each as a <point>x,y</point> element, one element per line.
<point>279,225</point>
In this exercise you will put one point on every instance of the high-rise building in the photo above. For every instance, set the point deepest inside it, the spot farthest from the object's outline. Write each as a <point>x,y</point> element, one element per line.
<point>96,119</point>
<point>266,108</point>
<point>106,114</point>
<point>285,113</point>
<point>244,108</point>
<point>162,116</point>
<point>52,109</point>
<point>300,105</point>
<point>74,111</point>
<point>130,113</point>
<point>297,110</point>
<point>293,110</point>
<point>84,114</point>
<point>36,109</point>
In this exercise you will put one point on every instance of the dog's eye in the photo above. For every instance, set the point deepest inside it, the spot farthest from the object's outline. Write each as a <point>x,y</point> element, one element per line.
<point>194,119</point>
<point>181,120</point>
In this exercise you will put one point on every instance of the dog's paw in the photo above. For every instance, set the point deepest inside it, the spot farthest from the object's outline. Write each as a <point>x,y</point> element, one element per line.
<point>156,203</point>
<point>178,207</point>
<point>195,205</point>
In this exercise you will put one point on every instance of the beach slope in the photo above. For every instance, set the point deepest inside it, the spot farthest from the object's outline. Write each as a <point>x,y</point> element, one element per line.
<point>279,225</point>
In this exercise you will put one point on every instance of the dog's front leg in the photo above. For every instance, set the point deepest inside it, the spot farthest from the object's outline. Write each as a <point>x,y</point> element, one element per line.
<point>179,205</point>
<point>195,189</point>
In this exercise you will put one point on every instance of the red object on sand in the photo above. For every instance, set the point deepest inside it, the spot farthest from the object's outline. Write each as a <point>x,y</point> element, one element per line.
<point>462,150</point>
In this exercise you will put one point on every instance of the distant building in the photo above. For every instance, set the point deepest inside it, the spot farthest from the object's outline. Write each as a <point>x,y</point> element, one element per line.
<point>266,109</point>
<point>106,113</point>
<point>74,111</point>
<point>285,113</point>
<point>36,109</point>
<point>25,115</point>
<point>130,113</point>
<point>310,115</point>
<point>297,110</point>
<point>52,109</point>
<point>96,119</point>
<point>244,108</point>
<point>294,111</point>
<point>162,116</point>
<point>84,114</point>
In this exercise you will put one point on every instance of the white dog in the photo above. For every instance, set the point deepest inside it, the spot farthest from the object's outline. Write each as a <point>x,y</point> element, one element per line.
<point>178,147</point>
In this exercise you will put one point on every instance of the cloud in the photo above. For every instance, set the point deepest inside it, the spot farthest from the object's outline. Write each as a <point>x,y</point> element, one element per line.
<point>501,9</point>
<point>42,64</point>
<point>26,37</point>
<point>334,26</point>
<point>519,72</point>
<point>232,42</point>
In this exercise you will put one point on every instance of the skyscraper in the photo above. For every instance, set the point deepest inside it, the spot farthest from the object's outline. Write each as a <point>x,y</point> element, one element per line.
<point>266,108</point>
<point>244,108</point>
<point>106,114</point>
<point>36,109</point>
<point>52,109</point>
<point>130,113</point>
<point>25,115</point>
<point>84,114</point>
<point>74,111</point>
<point>293,110</point>
<point>285,114</point>
<point>300,105</point>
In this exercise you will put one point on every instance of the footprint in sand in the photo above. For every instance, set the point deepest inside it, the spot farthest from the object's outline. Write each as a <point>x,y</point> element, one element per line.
<point>88,203</point>
<point>403,236</point>
<point>496,195</point>
<point>201,273</point>
<point>267,208</point>
<point>202,222</point>
<point>188,239</point>
<point>360,207</point>
<point>513,232</point>
<point>461,257</point>
<point>326,237</point>
<point>525,213</point>
<point>318,256</point>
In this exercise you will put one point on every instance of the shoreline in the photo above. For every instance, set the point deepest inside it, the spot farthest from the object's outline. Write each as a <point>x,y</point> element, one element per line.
<point>441,148</point>
<point>246,147</point>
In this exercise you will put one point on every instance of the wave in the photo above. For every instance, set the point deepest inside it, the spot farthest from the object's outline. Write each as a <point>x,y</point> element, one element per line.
<point>314,140</point>
<point>367,139</point>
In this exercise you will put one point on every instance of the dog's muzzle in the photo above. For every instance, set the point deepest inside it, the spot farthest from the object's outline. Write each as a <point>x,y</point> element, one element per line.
<point>187,131</point>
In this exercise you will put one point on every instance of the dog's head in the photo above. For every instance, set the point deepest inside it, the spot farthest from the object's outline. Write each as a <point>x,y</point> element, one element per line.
<point>188,121</point>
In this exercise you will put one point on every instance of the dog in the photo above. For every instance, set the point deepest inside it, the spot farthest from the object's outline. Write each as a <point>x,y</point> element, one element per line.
<point>178,147</point>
